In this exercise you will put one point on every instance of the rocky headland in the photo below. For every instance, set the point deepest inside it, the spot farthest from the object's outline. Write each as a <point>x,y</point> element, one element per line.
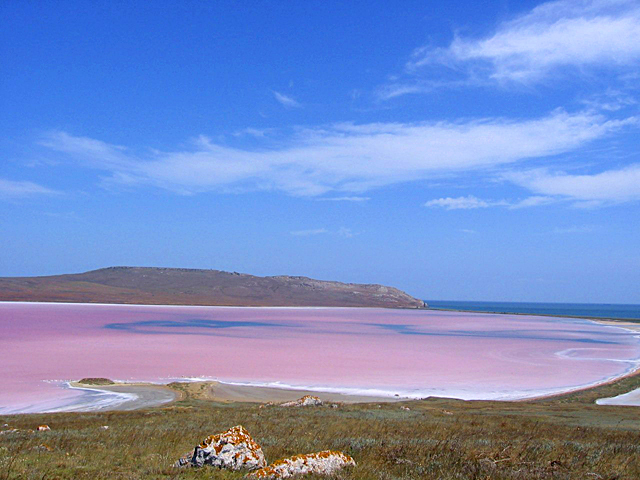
<point>181,286</point>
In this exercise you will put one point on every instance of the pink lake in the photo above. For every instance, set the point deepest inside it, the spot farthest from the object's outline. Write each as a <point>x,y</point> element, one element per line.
<point>413,353</point>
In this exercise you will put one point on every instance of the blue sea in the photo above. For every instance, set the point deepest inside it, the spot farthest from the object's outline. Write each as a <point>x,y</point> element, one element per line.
<point>596,310</point>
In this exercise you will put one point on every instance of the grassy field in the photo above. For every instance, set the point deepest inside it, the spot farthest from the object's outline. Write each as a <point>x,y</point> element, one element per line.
<point>562,438</point>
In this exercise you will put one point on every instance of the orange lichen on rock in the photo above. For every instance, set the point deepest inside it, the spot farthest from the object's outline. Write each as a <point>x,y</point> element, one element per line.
<point>233,449</point>
<point>321,463</point>
<point>43,428</point>
<point>306,401</point>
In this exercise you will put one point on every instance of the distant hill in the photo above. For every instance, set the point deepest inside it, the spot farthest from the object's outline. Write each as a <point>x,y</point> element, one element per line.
<point>181,286</point>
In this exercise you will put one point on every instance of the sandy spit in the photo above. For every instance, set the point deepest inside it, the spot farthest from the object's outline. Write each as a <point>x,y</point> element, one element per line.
<point>224,392</point>
<point>147,395</point>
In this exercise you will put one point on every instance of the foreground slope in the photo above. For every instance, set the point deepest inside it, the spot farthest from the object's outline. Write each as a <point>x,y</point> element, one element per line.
<point>180,286</point>
<point>552,439</point>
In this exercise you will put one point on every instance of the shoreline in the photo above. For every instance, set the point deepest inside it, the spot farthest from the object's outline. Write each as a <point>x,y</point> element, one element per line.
<point>150,395</point>
<point>142,395</point>
<point>318,307</point>
<point>133,396</point>
<point>634,371</point>
<point>229,392</point>
<point>421,309</point>
<point>635,321</point>
<point>628,399</point>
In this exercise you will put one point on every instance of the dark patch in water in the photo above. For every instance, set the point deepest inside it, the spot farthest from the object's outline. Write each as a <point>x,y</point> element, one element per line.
<point>159,326</point>
<point>405,329</point>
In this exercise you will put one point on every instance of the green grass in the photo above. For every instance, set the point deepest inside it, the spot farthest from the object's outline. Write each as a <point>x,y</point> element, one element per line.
<point>563,438</point>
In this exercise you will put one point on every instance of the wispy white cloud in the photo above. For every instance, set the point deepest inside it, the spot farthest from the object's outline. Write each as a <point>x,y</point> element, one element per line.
<point>559,35</point>
<point>459,203</point>
<point>286,100</point>
<point>347,232</point>
<point>387,92</point>
<point>471,202</point>
<point>609,186</point>
<point>341,232</point>
<point>611,101</point>
<point>342,157</point>
<point>21,189</point>
<point>534,201</point>
<point>575,229</point>
<point>308,233</point>
<point>253,132</point>
<point>582,191</point>
<point>344,199</point>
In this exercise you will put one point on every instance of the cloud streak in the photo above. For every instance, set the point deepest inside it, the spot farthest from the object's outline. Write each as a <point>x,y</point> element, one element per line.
<point>286,100</point>
<point>471,202</point>
<point>609,186</point>
<point>341,232</point>
<point>584,190</point>
<point>344,199</point>
<point>309,233</point>
<point>575,35</point>
<point>22,189</point>
<point>344,158</point>
<point>460,203</point>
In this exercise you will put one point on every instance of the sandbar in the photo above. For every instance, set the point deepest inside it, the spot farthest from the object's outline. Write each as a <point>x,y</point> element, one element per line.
<point>627,324</point>
<point>228,393</point>
<point>145,395</point>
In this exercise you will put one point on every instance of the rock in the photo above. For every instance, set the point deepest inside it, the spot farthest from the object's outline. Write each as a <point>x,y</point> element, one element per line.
<point>306,401</point>
<point>43,447</point>
<point>105,427</point>
<point>405,408</point>
<point>233,449</point>
<point>43,428</point>
<point>321,463</point>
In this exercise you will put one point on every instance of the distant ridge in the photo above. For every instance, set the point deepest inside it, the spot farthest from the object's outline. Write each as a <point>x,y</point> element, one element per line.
<point>182,286</point>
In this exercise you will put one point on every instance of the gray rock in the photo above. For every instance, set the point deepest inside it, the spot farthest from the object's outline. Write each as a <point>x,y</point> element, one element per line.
<point>322,463</point>
<point>306,401</point>
<point>233,450</point>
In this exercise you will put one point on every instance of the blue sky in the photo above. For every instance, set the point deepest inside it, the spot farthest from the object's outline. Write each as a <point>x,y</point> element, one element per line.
<point>469,150</point>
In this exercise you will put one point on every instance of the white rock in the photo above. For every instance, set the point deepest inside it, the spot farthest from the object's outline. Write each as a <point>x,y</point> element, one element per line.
<point>321,463</point>
<point>233,449</point>
<point>306,401</point>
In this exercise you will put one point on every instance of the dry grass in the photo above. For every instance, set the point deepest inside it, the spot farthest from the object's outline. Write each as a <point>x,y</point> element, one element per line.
<point>441,439</point>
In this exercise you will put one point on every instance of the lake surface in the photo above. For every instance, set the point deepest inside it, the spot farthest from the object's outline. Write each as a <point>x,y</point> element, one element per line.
<point>413,353</point>
<point>593,310</point>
